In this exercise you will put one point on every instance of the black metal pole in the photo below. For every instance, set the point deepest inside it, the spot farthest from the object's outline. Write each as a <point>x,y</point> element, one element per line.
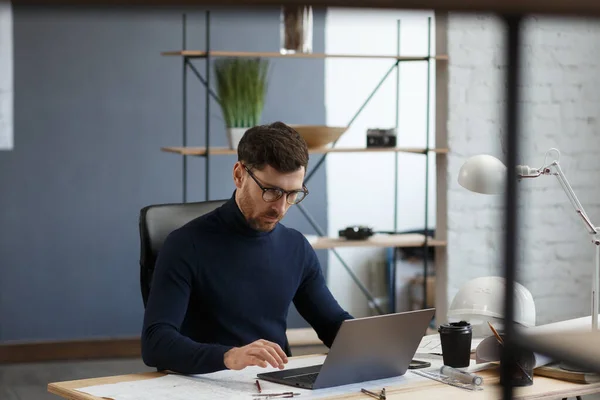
<point>202,80</point>
<point>207,107</point>
<point>394,265</point>
<point>425,245</point>
<point>513,25</point>
<point>184,127</point>
<point>397,125</point>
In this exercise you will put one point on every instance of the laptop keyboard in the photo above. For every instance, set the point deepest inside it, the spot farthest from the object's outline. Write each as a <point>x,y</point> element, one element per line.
<point>305,378</point>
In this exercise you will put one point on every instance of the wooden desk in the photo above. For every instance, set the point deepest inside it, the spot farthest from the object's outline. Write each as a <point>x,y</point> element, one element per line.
<point>543,388</point>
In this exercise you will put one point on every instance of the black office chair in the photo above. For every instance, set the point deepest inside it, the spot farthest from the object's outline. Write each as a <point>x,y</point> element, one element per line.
<point>155,224</point>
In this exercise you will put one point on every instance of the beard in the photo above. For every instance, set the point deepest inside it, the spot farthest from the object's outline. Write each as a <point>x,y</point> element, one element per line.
<point>258,221</point>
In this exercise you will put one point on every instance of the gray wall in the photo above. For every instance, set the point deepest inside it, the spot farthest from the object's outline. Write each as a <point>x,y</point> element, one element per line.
<point>94,102</point>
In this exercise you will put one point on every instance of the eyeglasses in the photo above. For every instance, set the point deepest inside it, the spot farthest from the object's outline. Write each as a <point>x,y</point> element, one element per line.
<point>273,194</point>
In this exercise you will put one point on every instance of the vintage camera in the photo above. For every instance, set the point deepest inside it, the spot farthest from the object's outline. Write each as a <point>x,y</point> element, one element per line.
<point>381,137</point>
<point>356,233</point>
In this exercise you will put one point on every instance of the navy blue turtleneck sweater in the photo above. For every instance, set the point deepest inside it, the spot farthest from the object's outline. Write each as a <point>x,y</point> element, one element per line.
<point>218,284</point>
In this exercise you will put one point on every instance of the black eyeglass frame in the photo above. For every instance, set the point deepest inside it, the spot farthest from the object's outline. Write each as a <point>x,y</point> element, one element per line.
<point>279,192</point>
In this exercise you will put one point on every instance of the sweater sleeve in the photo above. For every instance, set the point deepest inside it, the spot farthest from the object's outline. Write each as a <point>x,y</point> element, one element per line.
<point>315,302</point>
<point>163,346</point>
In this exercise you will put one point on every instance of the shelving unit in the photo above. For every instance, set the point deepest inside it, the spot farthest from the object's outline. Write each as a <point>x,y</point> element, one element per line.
<point>394,240</point>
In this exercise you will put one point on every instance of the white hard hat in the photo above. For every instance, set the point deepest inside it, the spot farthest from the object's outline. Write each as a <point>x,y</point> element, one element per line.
<point>482,299</point>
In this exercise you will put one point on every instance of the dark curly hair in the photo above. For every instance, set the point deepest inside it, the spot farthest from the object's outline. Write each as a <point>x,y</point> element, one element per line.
<point>276,144</point>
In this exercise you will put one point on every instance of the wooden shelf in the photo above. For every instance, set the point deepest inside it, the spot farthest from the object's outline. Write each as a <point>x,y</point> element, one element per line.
<point>220,151</point>
<point>378,240</point>
<point>203,54</point>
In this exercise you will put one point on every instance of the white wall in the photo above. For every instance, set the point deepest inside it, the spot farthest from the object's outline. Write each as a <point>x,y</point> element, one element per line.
<point>361,185</point>
<point>561,97</point>
<point>6,76</point>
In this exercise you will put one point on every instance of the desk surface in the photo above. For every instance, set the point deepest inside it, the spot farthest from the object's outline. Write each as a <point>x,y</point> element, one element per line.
<point>543,388</point>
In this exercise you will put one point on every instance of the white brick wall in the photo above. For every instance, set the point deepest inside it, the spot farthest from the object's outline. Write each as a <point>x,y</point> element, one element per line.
<point>561,96</point>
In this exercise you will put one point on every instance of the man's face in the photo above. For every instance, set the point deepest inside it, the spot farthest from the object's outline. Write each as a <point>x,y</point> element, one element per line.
<point>260,214</point>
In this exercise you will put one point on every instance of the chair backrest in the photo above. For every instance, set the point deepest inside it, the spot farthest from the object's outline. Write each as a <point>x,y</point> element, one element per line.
<point>156,222</point>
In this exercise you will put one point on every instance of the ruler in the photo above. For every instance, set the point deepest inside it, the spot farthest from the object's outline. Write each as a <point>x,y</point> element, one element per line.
<point>446,380</point>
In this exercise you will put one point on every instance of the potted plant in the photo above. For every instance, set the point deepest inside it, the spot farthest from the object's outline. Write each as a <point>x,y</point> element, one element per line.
<point>241,89</point>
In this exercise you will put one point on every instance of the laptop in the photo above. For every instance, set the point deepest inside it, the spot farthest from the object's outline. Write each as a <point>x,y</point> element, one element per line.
<point>364,349</point>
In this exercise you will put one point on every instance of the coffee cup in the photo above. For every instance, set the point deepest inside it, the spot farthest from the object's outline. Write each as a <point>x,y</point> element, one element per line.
<point>456,343</point>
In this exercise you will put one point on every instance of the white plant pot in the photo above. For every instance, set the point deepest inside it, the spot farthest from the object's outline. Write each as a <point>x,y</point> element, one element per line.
<point>234,135</point>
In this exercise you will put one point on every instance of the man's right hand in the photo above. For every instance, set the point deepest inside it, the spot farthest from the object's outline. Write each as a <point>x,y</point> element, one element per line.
<point>260,353</point>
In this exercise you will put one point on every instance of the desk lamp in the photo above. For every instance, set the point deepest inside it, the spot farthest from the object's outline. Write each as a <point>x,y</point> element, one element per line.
<point>486,174</point>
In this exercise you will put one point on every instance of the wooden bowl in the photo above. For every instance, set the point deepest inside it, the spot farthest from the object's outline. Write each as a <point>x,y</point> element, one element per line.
<point>317,136</point>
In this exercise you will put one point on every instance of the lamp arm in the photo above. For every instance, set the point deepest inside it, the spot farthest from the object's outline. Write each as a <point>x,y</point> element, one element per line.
<point>562,179</point>
<point>554,168</point>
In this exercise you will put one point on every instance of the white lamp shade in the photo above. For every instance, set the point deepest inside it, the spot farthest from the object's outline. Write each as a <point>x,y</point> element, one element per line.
<point>483,174</point>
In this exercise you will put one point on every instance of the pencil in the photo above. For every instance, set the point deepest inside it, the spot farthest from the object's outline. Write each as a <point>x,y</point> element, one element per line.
<point>258,386</point>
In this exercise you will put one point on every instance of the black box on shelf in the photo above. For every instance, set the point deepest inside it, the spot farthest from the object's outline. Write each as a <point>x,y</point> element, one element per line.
<point>381,137</point>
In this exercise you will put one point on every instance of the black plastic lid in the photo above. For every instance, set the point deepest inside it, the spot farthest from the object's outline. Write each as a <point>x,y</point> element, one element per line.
<point>455,327</point>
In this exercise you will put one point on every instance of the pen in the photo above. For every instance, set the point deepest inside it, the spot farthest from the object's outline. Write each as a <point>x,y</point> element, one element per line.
<point>365,391</point>
<point>380,396</point>
<point>283,394</point>
<point>258,386</point>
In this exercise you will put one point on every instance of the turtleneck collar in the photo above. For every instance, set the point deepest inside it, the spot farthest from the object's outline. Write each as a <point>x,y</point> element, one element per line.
<point>235,219</point>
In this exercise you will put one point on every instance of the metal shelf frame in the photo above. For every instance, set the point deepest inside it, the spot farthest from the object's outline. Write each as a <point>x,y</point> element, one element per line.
<point>188,56</point>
